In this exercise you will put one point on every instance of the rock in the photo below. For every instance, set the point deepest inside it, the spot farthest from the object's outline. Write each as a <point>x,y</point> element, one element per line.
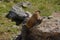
<point>49,17</point>
<point>49,29</point>
<point>18,14</point>
<point>26,4</point>
<point>29,14</point>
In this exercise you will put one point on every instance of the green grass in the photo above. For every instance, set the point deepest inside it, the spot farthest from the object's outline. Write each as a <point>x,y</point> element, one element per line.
<point>47,7</point>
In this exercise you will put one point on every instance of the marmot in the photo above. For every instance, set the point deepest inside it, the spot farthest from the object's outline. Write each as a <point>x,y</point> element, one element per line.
<point>35,19</point>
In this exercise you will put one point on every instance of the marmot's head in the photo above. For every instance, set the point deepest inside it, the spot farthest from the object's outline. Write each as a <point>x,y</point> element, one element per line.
<point>37,11</point>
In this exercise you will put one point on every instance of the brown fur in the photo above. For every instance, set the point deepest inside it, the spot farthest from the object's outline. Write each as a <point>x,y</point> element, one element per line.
<point>33,19</point>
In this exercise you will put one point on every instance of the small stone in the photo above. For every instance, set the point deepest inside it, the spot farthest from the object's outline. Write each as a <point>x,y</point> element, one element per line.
<point>50,17</point>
